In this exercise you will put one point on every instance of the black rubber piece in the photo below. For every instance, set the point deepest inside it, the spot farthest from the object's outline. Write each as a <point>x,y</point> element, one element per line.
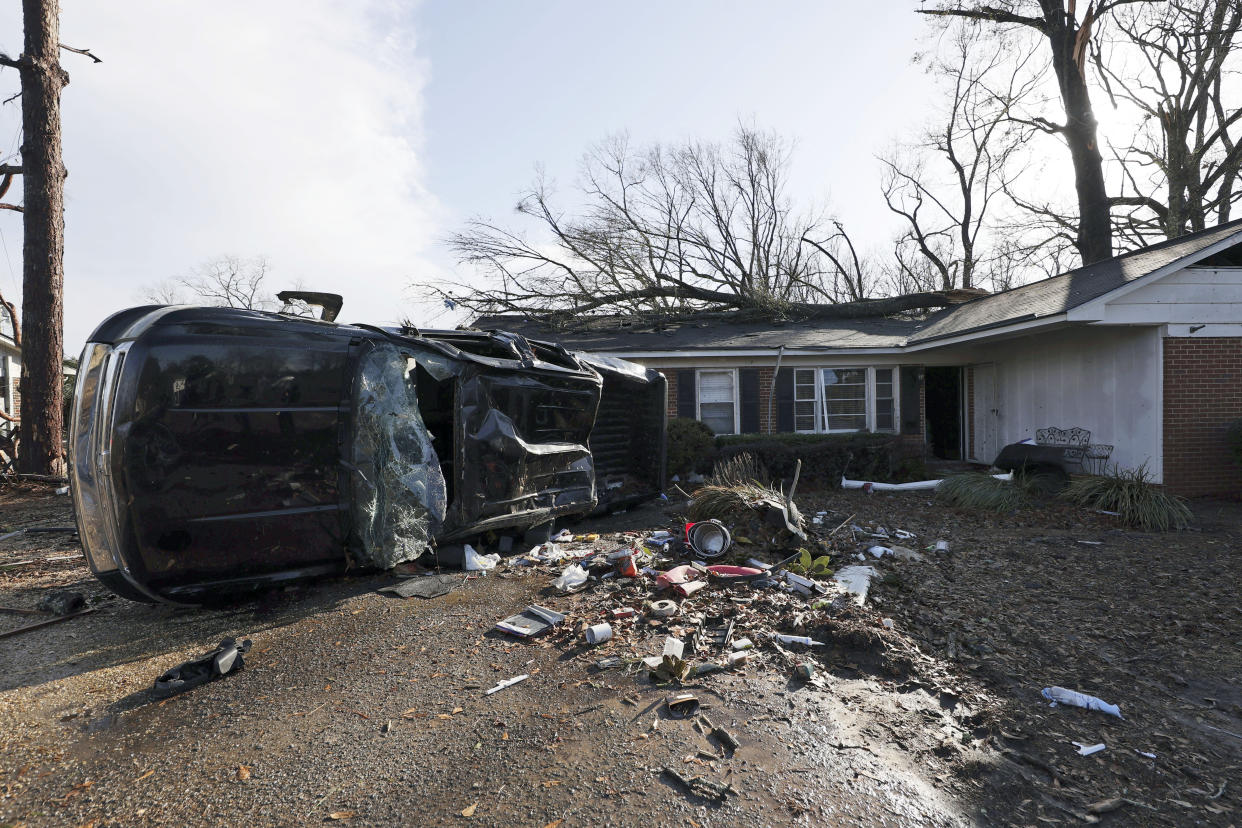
<point>225,659</point>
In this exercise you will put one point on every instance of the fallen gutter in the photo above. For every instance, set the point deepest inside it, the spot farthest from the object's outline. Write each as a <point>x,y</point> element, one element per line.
<point>918,485</point>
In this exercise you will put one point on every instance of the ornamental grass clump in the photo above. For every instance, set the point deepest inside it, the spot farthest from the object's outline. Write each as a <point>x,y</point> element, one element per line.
<point>973,490</point>
<point>1130,493</point>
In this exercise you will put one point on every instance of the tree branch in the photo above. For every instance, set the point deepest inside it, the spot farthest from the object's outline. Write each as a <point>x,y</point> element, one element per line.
<point>14,207</point>
<point>86,52</point>
<point>989,13</point>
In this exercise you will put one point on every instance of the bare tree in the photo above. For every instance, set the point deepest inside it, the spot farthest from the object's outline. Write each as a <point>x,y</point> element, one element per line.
<point>946,185</point>
<point>1172,65</point>
<point>43,246</point>
<point>228,281</point>
<point>1067,39</point>
<point>666,231</point>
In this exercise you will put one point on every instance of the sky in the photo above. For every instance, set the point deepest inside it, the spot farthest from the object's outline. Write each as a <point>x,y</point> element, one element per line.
<point>344,140</point>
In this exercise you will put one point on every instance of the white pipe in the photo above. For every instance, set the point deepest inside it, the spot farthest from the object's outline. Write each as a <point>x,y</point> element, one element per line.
<point>918,485</point>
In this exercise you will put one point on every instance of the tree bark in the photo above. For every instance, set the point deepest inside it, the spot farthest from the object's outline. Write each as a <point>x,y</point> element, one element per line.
<point>43,248</point>
<point>1094,240</point>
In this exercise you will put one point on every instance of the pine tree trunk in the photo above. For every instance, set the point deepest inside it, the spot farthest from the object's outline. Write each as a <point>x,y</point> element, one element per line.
<point>43,251</point>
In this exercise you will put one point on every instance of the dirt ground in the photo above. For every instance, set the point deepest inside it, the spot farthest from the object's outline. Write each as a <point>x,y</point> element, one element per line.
<point>361,708</point>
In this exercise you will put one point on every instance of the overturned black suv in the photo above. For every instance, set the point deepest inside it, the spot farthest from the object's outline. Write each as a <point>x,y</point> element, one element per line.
<point>216,449</point>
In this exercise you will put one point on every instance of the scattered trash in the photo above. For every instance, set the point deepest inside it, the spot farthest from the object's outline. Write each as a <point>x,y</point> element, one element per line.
<point>61,602</point>
<point>425,586</point>
<point>530,622</point>
<point>674,647</point>
<point>717,632</point>
<point>474,562</point>
<point>608,663</point>
<point>677,575</point>
<point>1060,695</point>
<point>225,659</point>
<point>798,639</point>
<point>63,490</point>
<point>942,546</point>
<point>708,538</point>
<point>1088,750</point>
<point>742,644</point>
<point>880,551</point>
<point>1144,753</point>
<point>738,658</point>
<point>690,588</point>
<point>805,670</point>
<point>623,560</point>
<point>700,786</point>
<point>664,609</point>
<point>902,534</point>
<point>682,705</point>
<point>805,586</point>
<point>887,622</point>
<point>856,580</point>
<point>506,683</point>
<point>573,577</point>
<point>726,572</point>
<point>598,633</point>
<point>624,612</point>
<point>564,536</point>
<point>720,734</point>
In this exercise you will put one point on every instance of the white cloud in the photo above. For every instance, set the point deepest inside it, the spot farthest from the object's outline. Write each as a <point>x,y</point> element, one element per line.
<point>287,128</point>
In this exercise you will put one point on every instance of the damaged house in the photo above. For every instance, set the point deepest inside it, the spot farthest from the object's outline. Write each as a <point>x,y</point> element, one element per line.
<point>1140,354</point>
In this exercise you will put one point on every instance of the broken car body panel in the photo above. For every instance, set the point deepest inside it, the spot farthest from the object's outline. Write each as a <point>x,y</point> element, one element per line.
<point>219,448</point>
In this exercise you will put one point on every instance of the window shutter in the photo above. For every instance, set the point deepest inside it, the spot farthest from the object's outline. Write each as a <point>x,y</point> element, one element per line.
<point>749,379</point>
<point>687,401</point>
<point>785,400</point>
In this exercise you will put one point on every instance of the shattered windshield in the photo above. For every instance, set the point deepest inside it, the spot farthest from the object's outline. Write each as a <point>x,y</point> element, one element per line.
<point>399,494</point>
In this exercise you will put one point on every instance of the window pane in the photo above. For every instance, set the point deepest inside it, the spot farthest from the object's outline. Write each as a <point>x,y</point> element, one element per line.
<point>717,416</point>
<point>884,414</point>
<point>716,386</point>
<point>845,398</point>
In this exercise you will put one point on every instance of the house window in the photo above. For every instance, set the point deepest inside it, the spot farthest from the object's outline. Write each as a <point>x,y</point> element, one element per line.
<point>718,400</point>
<point>806,399</point>
<point>845,399</point>
<point>885,416</point>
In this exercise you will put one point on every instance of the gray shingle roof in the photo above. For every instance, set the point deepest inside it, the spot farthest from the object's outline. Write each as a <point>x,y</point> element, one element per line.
<point>1058,294</point>
<point>1048,297</point>
<point>613,334</point>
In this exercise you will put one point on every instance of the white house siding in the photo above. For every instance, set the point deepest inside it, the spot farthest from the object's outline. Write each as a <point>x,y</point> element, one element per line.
<point>1107,380</point>
<point>1199,295</point>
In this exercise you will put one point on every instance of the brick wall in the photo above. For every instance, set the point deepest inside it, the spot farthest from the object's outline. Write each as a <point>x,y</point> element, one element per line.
<point>767,414</point>
<point>671,375</point>
<point>1202,393</point>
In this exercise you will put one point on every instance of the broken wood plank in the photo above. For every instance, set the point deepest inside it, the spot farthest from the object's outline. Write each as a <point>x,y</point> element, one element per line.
<point>39,624</point>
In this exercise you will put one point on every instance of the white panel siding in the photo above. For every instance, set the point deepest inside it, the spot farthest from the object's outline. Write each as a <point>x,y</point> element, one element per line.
<point>1103,379</point>
<point>1193,295</point>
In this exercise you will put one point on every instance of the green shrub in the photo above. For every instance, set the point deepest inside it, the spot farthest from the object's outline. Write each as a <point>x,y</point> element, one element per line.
<point>974,490</point>
<point>1130,493</point>
<point>691,446</point>
<point>826,458</point>
<point>1233,439</point>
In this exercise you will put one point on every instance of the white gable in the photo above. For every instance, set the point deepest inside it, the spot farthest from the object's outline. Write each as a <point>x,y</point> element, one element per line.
<point>1193,295</point>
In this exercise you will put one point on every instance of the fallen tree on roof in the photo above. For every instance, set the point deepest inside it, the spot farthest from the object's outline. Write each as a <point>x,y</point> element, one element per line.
<point>669,232</point>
